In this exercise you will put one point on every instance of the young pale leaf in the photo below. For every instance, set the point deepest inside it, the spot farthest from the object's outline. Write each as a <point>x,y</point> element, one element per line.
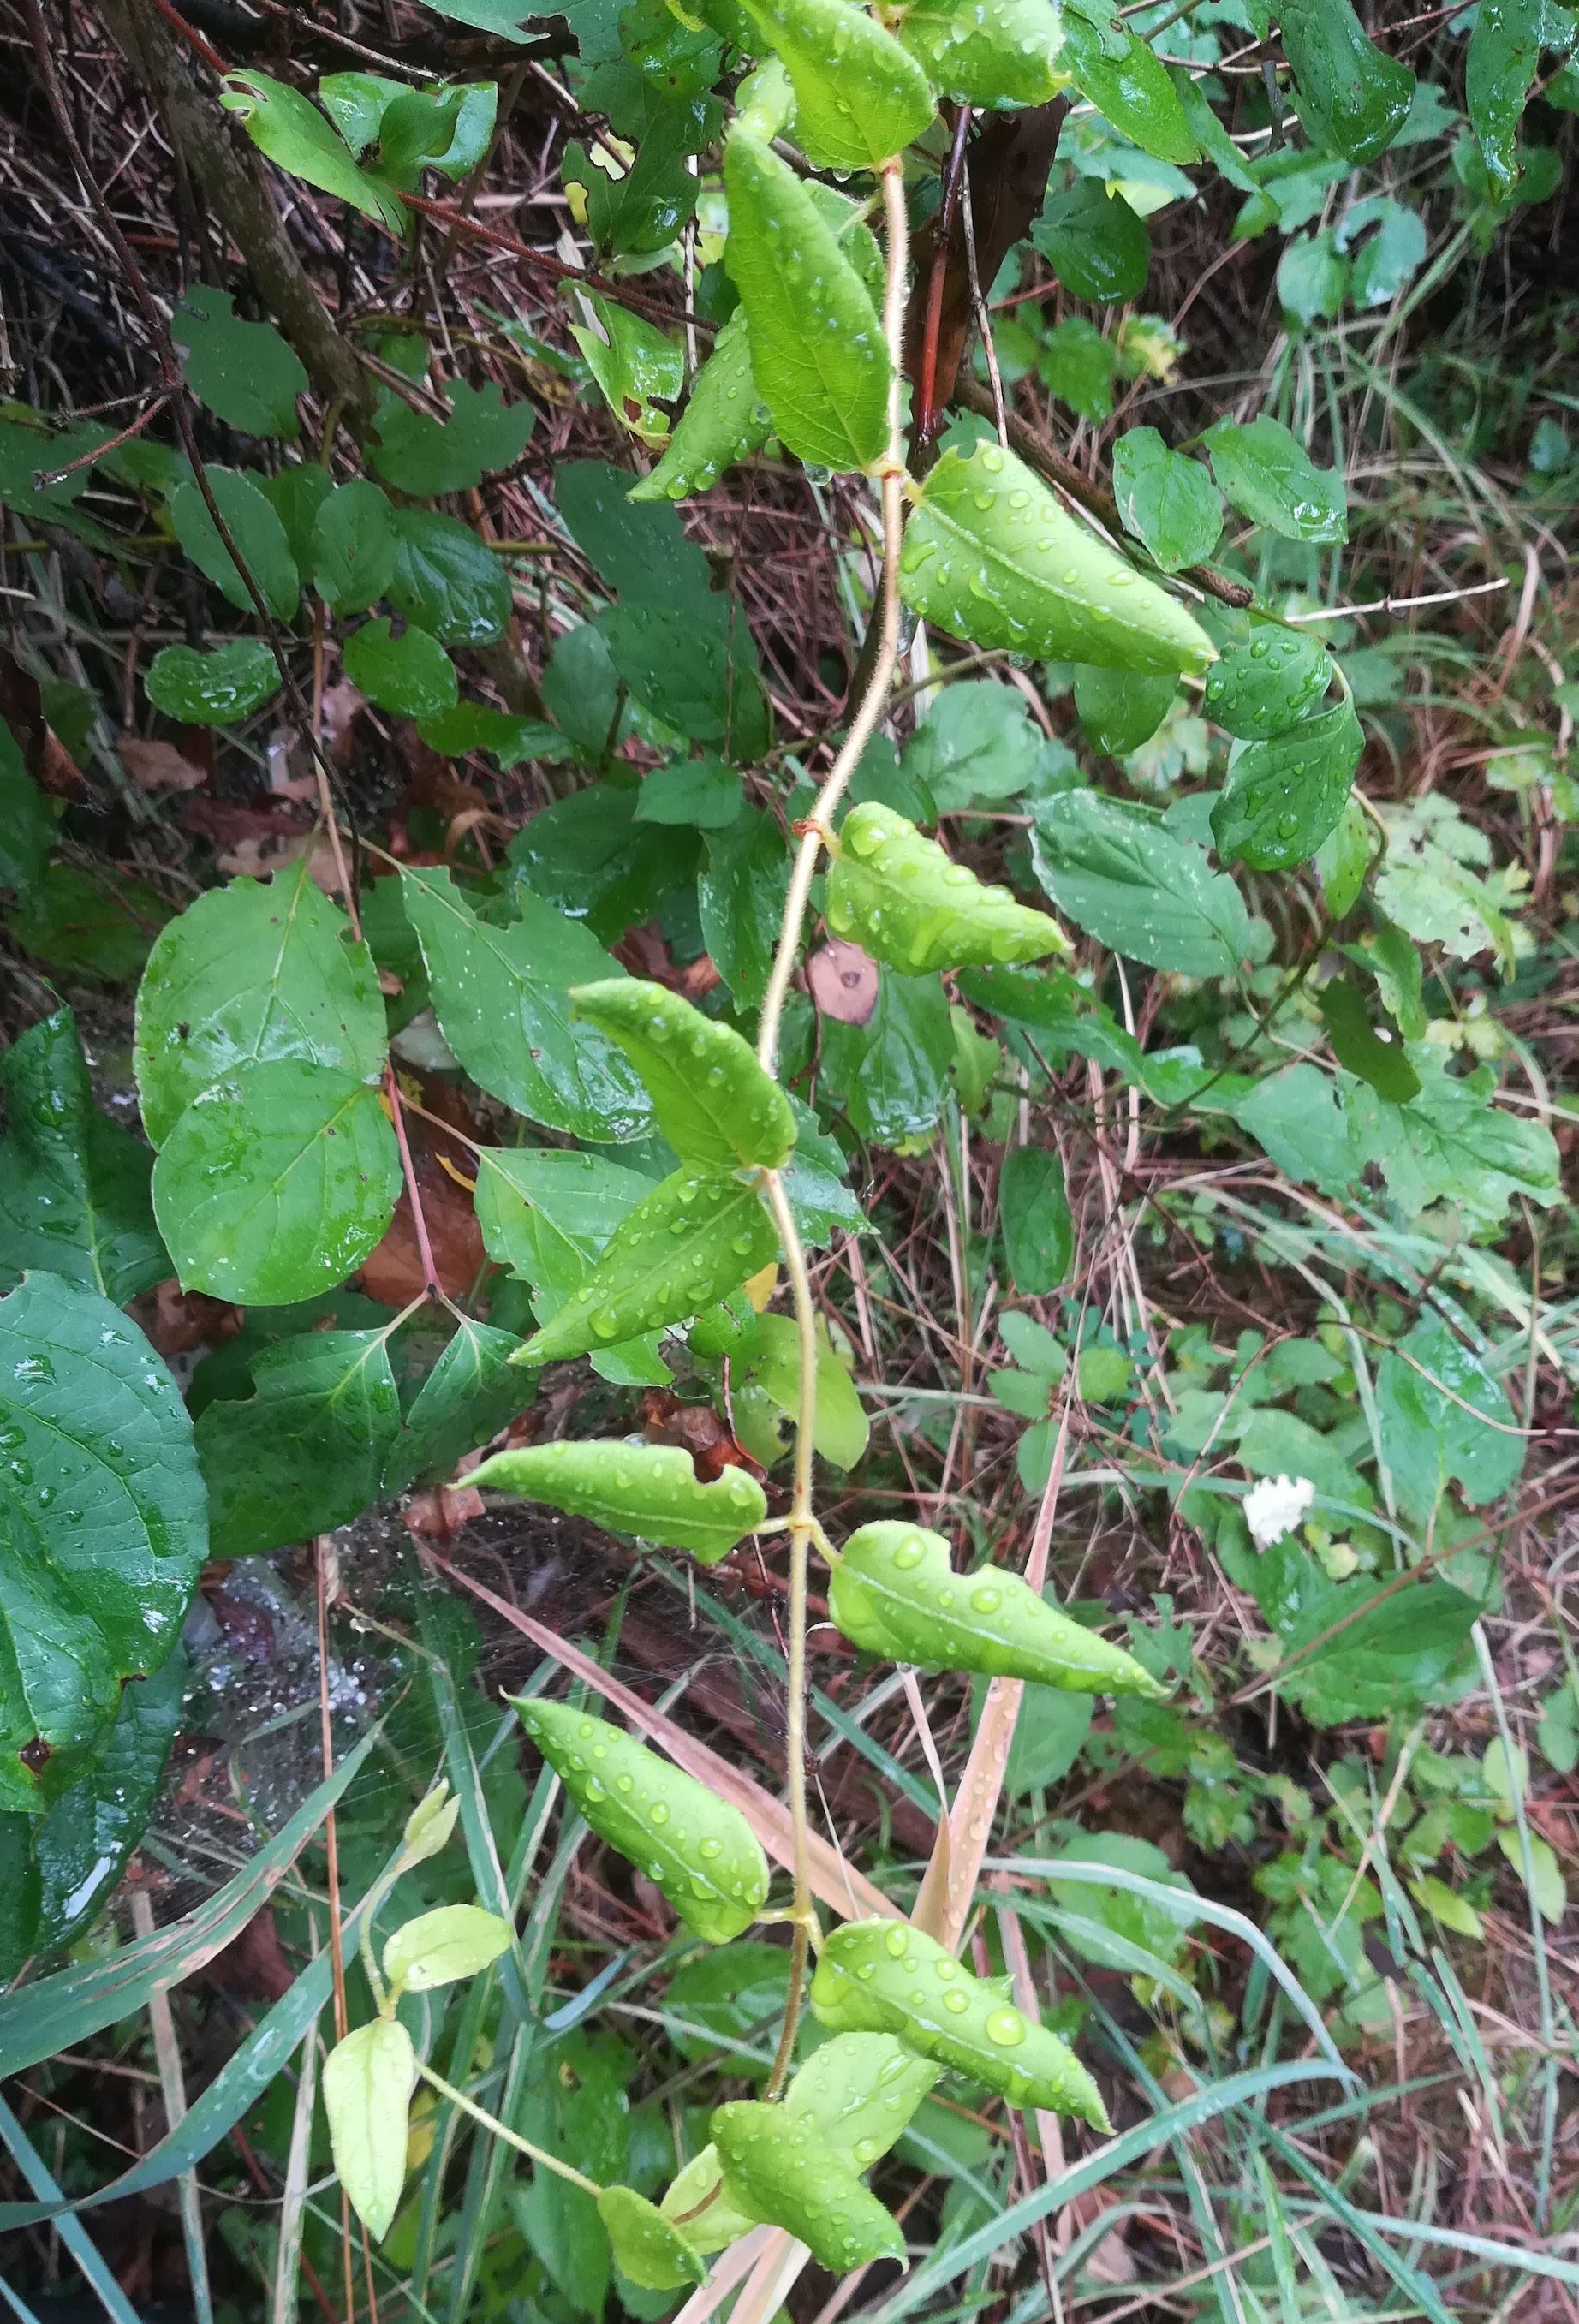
<point>441,1947</point>
<point>1267,684</point>
<point>1343,858</point>
<point>1120,709</point>
<point>1126,82</point>
<point>692,1241</point>
<point>778,2167</point>
<point>816,347</point>
<point>212,689</point>
<point>895,1593</point>
<point>858,2092</point>
<point>367,2090</point>
<point>859,97</point>
<point>1033,1208</point>
<point>725,421</point>
<point>880,1977</point>
<point>695,2204</point>
<point>900,898</point>
<point>651,1490</point>
<point>430,1826</point>
<point>1269,476</point>
<point>1285,795</point>
<point>1166,501</point>
<point>990,52</point>
<point>647,2249</point>
<point>714,1102</point>
<point>771,1371</point>
<point>1354,98</point>
<point>291,130</point>
<point>990,558</point>
<point>73,1184</point>
<point>700,1851</point>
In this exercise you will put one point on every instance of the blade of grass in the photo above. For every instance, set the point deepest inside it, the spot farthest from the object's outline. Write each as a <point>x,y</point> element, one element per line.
<point>72,2232</point>
<point>292,2200</point>
<point>172,2086</point>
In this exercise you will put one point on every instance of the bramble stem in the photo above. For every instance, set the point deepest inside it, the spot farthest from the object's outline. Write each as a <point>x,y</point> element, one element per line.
<point>510,2137</point>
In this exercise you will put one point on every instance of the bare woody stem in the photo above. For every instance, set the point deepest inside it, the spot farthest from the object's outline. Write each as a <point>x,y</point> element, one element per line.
<point>802,1523</point>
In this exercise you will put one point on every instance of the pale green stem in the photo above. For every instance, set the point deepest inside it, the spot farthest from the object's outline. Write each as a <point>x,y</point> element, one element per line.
<point>510,2137</point>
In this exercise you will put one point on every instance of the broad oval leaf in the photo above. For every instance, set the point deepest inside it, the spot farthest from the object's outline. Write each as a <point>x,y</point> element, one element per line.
<point>276,1182</point>
<point>1094,243</point>
<point>989,52</point>
<point>1269,476</point>
<point>1354,98</point>
<point>647,2249</point>
<point>714,1102</point>
<point>411,675</point>
<point>257,538</point>
<point>355,547</point>
<point>368,2092</point>
<point>894,1592</point>
<point>817,346</point>
<point>898,897</point>
<point>74,1186</point>
<point>697,1237</point>
<point>880,1977</point>
<point>698,1849</point>
<point>859,97</point>
<point>696,2206</point>
<point>651,1490</point>
<point>1120,709</point>
<point>1268,683</point>
<point>858,2092</point>
<point>1443,1414</point>
<point>307,1451</point>
<point>103,1526</point>
<point>250,972</point>
<point>441,1947</point>
<point>216,689</point>
<point>1165,500</point>
<point>725,421</point>
<point>1285,795</point>
<point>245,373</point>
<point>771,1371</point>
<point>446,581</point>
<point>1128,84</point>
<point>1033,1209</point>
<point>990,556</point>
<point>778,2167</point>
<point>1138,889</point>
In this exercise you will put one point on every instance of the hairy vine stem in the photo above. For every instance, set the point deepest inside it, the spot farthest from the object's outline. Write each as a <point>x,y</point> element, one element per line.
<point>802,1522</point>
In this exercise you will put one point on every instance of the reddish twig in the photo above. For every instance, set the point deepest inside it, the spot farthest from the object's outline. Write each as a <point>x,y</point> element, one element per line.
<point>45,478</point>
<point>413,1192</point>
<point>954,171</point>
<point>193,38</point>
<point>547,263</point>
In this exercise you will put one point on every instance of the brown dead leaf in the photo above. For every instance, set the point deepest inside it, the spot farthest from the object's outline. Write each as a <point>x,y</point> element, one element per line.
<point>843,980</point>
<point>697,1430</point>
<point>435,1515</point>
<point>1113,2261</point>
<point>159,764</point>
<point>342,707</point>
<point>45,757</point>
<point>177,1322</point>
<point>252,1967</point>
<point>394,1272</point>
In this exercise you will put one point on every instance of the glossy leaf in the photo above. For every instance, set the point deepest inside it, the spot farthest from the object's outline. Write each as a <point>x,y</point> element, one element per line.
<point>1285,795</point>
<point>354,547</point>
<point>93,923</point>
<point>1356,1044</point>
<point>1270,477</point>
<point>411,675</point>
<point>1504,56</point>
<point>696,2206</point>
<point>101,1510</point>
<point>703,793</point>
<point>1120,709</point>
<point>651,1490</point>
<point>641,211</point>
<point>1165,500</point>
<point>858,2094</point>
<point>216,689</point>
<point>291,130</point>
<point>502,996</point>
<point>1267,684</point>
<point>441,1947</point>
<point>367,2080</point>
<point>250,974</point>
<point>257,538</point>
<point>1354,98</point>
<point>244,372</point>
<point>1094,243</point>
<point>306,1451</point>
<point>725,421</point>
<point>990,556</point>
<point>1138,889</point>
<point>74,1186</point>
<point>880,1977</point>
<point>1343,858</point>
<point>647,2249</point>
<point>891,1075</point>
<point>859,96</point>
<point>816,347</point>
<point>694,1238</point>
<point>740,894</point>
<point>445,581</point>
<point>1128,84</point>
<point>898,897</point>
<point>471,1392</point>
<point>276,1182</point>
<point>1033,1209</point>
<point>894,1592</point>
<point>989,53</point>
<point>640,367</point>
<point>547,1216</point>
<point>695,1847</point>
<point>777,2168</point>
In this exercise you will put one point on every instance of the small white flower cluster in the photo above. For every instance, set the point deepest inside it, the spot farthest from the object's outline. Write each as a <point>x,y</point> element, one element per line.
<point>1275,1506</point>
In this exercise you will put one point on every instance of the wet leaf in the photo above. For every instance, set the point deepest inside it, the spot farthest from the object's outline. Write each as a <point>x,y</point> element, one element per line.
<point>1284,796</point>
<point>244,372</point>
<point>777,2167</point>
<point>411,675</point>
<point>859,96</point>
<point>994,52</point>
<point>1166,501</point>
<point>646,2248</point>
<point>1033,1209</point>
<point>424,456</point>
<point>726,420</point>
<point>441,1947</point>
<point>651,1490</point>
<point>1270,477</point>
<point>1138,888</point>
<point>1353,98</point>
<point>1267,684</point>
<point>216,689</point>
<point>445,581</point>
<point>354,547</point>
<point>898,897</point>
<point>1443,1414</point>
<point>257,535</point>
<point>772,1369</point>
<point>306,1451</point>
<point>1128,84</point>
<point>471,1392</point>
<point>1120,709</point>
<point>713,1100</point>
<point>74,1186</point>
<point>293,132</point>
<point>1096,244</point>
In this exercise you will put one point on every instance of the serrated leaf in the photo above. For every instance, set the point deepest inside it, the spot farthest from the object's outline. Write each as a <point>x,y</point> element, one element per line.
<point>898,897</point>
<point>294,134</point>
<point>1441,1415</point>
<point>250,972</point>
<point>102,1523</point>
<point>74,1186</point>
<point>816,347</point>
<point>1114,68</point>
<point>1033,1210</point>
<point>354,547</point>
<point>989,53</point>
<point>859,97</point>
<point>1094,243</point>
<point>990,556</point>
<point>1354,98</point>
<point>1267,684</point>
<point>651,1490</point>
<point>214,689</point>
<point>256,533</point>
<point>697,1847</point>
<point>1165,500</point>
<point>778,2169</point>
<point>445,581</point>
<point>367,2084</point>
<point>411,675</point>
<point>1270,477</point>
<point>441,1947</point>
<point>424,456</point>
<point>725,421</point>
<point>244,372</point>
<point>1284,796</point>
<point>713,1100</point>
<point>1356,1044</point>
<point>306,1452</point>
<point>276,1182</point>
<point>879,1976</point>
<point>1120,709</point>
<point>1453,1144</point>
<point>647,2249</point>
<point>1138,888</point>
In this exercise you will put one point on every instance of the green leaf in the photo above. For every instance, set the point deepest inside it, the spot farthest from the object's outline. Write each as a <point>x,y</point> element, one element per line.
<point>1131,1919</point>
<point>243,372</point>
<point>471,1392</point>
<point>94,923</point>
<point>651,1490</point>
<point>101,1515</point>
<point>880,1977</point>
<point>1033,1209</point>
<point>1269,478</point>
<point>693,1239</point>
<point>479,726</point>
<point>646,2248</point>
<point>547,1216</point>
<point>1353,98</point>
<point>900,898</point>
<point>27,827</point>
<point>634,363</point>
<point>1078,363</point>
<point>445,581</point>
<point>502,996</point>
<point>29,448</point>
<point>424,456</point>
<point>1125,80</point>
<point>741,894</point>
<point>772,1369</point>
<point>307,1451</point>
<point>702,793</point>
<point>975,746</point>
<point>441,1947</point>
<point>293,132</point>
<point>990,556</point>
<point>250,974</point>
<point>692,668</point>
<point>894,1593</point>
<point>1094,243</point>
<point>1356,1044</point>
<point>713,1100</point>
<point>639,554</point>
<point>258,533</point>
<point>697,1847</point>
<point>1443,1414</point>
<point>354,547</point>
<point>639,212</point>
<point>73,1184</point>
<point>1267,684</point>
<point>586,857</point>
<point>295,493</point>
<point>1312,280</point>
<point>816,347</point>
<point>994,52</point>
<point>1285,795</point>
<point>1298,1117</point>
<point>778,2169</point>
<point>1383,265</point>
<point>858,2092</point>
<point>367,2083</point>
<point>411,675</point>
<point>276,1182</point>
<point>1120,709</point>
<point>725,421</point>
<point>1452,1143</point>
<point>213,689</point>
<point>860,99</point>
<point>1343,858</point>
<point>1547,1887</point>
<point>890,1073</point>
<point>1048,1735</point>
<point>1136,888</point>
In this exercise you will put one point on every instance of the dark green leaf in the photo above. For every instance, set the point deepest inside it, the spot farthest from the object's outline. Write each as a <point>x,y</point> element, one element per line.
<point>1285,795</point>
<point>1269,476</point>
<point>411,675</point>
<point>244,372</point>
<point>703,793</point>
<point>1297,1115</point>
<point>1033,1209</point>
<point>1113,67</point>
<point>1441,1415</point>
<point>445,581</point>
<point>1268,683</point>
<point>423,455</point>
<point>1136,888</point>
<point>741,894</point>
<point>641,211</point>
<point>638,552</point>
<point>1093,242</point>
<point>1353,98</point>
<point>27,827</point>
<point>715,1103</point>
<point>308,1450</point>
<point>889,1074</point>
<point>1078,363</point>
<point>354,547</point>
<point>692,668</point>
<point>547,1216</point>
<point>96,922</point>
<point>296,493</point>
<point>73,1184</point>
<point>1120,709</point>
<point>212,689</point>
<point>258,535</point>
<point>1356,1044</point>
<point>586,856</point>
<point>479,726</point>
<point>471,1392</point>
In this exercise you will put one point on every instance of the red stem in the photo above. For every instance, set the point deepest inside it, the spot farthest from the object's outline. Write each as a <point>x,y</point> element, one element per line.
<point>424,1247</point>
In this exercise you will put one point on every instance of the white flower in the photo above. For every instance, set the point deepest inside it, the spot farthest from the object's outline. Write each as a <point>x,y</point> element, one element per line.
<point>1275,1506</point>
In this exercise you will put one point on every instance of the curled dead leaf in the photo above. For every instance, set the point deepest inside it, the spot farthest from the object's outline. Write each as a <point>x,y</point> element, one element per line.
<point>843,980</point>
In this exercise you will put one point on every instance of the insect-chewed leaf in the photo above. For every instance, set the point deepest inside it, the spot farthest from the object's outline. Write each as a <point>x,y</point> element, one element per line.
<point>894,1593</point>
<point>367,2089</point>
<point>725,421</point>
<point>859,2091</point>
<point>859,96</point>
<point>1285,795</point>
<point>884,1977</point>
<point>651,1490</point>
<point>441,1947</point>
<point>699,2189</point>
<point>696,1238</point>
<point>898,897</point>
<point>990,558</point>
<point>714,1105</point>
<point>816,347</point>
<point>777,2166</point>
<point>698,1849</point>
<point>647,2248</point>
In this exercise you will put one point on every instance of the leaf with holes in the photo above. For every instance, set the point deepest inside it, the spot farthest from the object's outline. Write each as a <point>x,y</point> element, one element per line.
<point>725,421</point>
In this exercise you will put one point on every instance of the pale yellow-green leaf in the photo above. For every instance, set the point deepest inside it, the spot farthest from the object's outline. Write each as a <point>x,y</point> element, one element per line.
<point>1547,1885</point>
<point>367,2089</point>
<point>429,1826</point>
<point>440,1946</point>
